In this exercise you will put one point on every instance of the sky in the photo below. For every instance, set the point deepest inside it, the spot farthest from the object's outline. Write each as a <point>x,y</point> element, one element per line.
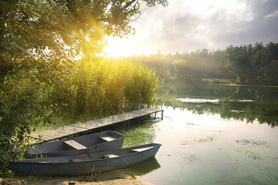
<point>189,25</point>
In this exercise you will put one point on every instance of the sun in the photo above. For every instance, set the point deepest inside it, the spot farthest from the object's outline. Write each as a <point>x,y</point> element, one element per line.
<point>117,47</point>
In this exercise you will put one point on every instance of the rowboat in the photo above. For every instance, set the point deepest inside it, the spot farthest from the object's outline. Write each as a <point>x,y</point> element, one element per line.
<point>86,164</point>
<point>107,140</point>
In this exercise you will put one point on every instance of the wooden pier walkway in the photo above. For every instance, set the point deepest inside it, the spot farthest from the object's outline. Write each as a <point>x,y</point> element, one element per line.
<point>60,132</point>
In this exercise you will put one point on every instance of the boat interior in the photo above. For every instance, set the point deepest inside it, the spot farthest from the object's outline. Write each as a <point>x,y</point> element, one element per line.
<point>93,156</point>
<point>77,143</point>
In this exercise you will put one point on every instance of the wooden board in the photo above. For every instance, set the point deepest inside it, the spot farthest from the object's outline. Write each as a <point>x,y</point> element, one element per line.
<point>60,132</point>
<point>74,145</point>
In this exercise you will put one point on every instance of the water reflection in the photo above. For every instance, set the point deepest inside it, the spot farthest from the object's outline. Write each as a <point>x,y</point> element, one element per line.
<point>206,149</point>
<point>139,134</point>
<point>248,103</point>
<point>145,167</point>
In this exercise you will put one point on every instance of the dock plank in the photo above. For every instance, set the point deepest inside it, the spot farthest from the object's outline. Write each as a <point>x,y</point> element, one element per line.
<point>64,131</point>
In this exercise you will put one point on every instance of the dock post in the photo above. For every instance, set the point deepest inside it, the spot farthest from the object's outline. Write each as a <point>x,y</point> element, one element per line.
<point>162,114</point>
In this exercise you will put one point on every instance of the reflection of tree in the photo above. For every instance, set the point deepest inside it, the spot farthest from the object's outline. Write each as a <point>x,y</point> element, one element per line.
<point>263,108</point>
<point>139,134</point>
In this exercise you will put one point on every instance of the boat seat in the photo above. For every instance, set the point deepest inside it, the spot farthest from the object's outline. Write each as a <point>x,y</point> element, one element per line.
<point>107,138</point>
<point>71,144</point>
<point>140,149</point>
<point>107,156</point>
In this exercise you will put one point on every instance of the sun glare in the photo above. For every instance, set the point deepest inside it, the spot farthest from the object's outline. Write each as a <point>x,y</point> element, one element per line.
<point>117,47</point>
<point>187,26</point>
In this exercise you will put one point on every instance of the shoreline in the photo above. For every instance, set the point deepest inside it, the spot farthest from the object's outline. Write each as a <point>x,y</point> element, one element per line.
<point>117,177</point>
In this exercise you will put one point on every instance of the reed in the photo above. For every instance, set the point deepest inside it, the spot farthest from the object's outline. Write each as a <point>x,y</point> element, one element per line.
<point>46,93</point>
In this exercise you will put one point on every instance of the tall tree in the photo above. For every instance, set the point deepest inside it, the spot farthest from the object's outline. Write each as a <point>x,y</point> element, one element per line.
<point>61,29</point>
<point>39,40</point>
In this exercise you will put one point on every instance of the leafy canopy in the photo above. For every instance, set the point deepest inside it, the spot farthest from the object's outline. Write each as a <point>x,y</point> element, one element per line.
<point>62,29</point>
<point>40,78</point>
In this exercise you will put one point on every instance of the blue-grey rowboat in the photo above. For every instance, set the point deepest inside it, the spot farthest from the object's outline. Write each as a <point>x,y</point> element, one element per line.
<point>86,164</point>
<point>107,140</point>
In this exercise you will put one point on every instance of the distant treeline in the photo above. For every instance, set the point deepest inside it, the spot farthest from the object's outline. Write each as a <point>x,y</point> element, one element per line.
<point>248,64</point>
<point>244,102</point>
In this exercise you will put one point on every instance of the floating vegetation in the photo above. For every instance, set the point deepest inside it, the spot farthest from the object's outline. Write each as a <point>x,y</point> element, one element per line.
<point>252,142</point>
<point>254,155</point>
<point>191,157</point>
<point>207,139</point>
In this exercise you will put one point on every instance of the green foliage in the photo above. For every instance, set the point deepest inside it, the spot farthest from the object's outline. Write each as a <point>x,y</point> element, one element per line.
<point>22,104</point>
<point>162,65</point>
<point>100,87</point>
<point>40,77</point>
<point>244,64</point>
<point>140,84</point>
<point>269,73</point>
<point>61,29</point>
<point>90,87</point>
<point>187,71</point>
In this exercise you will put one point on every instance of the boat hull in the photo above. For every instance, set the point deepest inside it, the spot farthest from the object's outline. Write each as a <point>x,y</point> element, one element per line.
<point>84,167</point>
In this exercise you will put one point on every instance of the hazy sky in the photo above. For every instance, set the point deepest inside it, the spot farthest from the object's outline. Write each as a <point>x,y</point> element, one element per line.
<point>188,25</point>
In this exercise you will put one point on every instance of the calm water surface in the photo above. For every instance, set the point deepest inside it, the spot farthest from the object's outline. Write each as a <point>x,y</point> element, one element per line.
<point>212,135</point>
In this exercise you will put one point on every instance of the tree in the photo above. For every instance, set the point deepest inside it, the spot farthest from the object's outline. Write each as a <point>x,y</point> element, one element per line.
<point>39,41</point>
<point>269,73</point>
<point>240,58</point>
<point>187,71</point>
<point>61,29</point>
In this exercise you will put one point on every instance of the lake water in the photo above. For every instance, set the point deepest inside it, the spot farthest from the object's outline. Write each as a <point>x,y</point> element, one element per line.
<point>212,135</point>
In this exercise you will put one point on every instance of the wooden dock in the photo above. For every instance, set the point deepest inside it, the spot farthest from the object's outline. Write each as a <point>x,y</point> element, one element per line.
<point>60,132</point>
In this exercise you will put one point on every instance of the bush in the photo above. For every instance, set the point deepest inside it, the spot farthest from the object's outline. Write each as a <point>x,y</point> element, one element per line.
<point>22,104</point>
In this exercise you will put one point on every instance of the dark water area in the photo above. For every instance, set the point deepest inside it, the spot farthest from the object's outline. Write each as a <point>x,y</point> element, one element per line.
<point>212,135</point>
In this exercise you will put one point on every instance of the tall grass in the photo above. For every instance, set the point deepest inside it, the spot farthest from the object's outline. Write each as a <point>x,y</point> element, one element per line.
<point>90,88</point>
<point>103,87</point>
